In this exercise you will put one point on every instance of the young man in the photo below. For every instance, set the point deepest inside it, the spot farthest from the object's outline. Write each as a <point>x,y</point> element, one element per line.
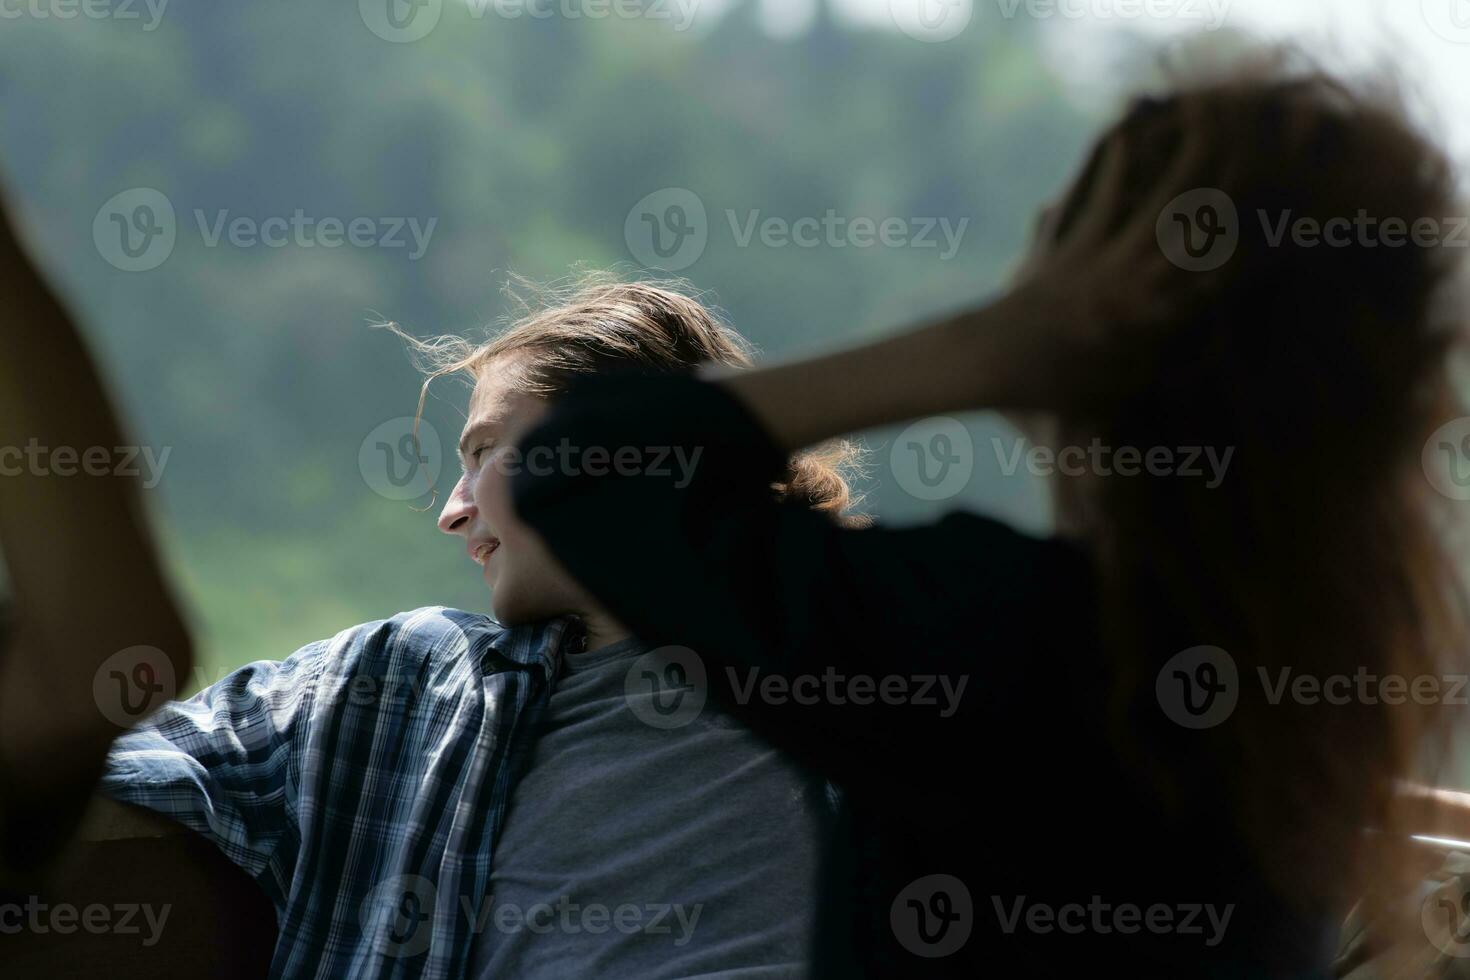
<point>534,795</point>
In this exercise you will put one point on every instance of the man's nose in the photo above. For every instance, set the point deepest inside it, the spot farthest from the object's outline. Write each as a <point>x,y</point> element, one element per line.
<point>459,510</point>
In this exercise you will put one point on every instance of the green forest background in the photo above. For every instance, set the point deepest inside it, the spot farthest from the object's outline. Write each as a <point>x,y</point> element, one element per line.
<point>528,141</point>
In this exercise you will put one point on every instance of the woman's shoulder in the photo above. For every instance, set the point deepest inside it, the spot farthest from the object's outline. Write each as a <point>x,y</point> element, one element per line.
<point>980,550</point>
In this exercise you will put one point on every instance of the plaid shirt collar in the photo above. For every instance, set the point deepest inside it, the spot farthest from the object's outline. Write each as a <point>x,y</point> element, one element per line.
<point>362,782</point>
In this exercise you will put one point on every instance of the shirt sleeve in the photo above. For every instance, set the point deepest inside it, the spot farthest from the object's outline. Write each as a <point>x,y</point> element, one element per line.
<point>851,647</point>
<point>225,763</point>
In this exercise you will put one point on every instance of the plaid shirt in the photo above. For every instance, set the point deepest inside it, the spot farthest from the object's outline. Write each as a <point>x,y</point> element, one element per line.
<point>362,782</point>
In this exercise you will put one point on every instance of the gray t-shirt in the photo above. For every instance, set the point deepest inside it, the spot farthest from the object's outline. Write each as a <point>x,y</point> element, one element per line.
<point>646,841</point>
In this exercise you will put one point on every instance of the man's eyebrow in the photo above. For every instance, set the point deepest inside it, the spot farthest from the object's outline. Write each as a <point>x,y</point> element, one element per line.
<point>469,434</point>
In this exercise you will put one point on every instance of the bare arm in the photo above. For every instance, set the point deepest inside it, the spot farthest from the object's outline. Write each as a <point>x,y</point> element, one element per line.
<point>1057,341</point>
<point>974,360</point>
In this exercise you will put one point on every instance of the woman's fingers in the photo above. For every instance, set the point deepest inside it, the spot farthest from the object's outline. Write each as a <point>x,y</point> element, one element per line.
<point>1179,178</point>
<point>1103,198</point>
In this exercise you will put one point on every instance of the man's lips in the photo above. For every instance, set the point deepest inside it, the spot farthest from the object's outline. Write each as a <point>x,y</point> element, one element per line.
<point>480,551</point>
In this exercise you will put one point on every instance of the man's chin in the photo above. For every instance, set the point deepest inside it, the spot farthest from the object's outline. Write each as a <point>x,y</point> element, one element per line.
<point>507,611</point>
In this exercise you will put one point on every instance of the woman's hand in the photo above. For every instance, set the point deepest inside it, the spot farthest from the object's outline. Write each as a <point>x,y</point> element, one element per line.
<point>1097,298</point>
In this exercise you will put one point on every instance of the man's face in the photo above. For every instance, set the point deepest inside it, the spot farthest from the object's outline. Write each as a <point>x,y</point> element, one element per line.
<point>527,584</point>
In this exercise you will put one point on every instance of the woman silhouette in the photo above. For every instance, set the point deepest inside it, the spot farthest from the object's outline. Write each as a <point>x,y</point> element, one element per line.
<point>1182,719</point>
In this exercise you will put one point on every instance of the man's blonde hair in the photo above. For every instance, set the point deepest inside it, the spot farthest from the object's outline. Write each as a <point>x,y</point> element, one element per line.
<point>596,323</point>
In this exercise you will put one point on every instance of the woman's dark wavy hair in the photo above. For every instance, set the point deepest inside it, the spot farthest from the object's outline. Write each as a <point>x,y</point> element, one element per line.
<point>1326,550</point>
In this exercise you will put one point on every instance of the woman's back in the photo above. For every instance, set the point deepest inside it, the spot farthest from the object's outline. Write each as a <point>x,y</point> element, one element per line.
<point>950,681</point>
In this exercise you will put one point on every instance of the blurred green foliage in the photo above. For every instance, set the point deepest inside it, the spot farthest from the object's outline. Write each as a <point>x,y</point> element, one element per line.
<point>529,141</point>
